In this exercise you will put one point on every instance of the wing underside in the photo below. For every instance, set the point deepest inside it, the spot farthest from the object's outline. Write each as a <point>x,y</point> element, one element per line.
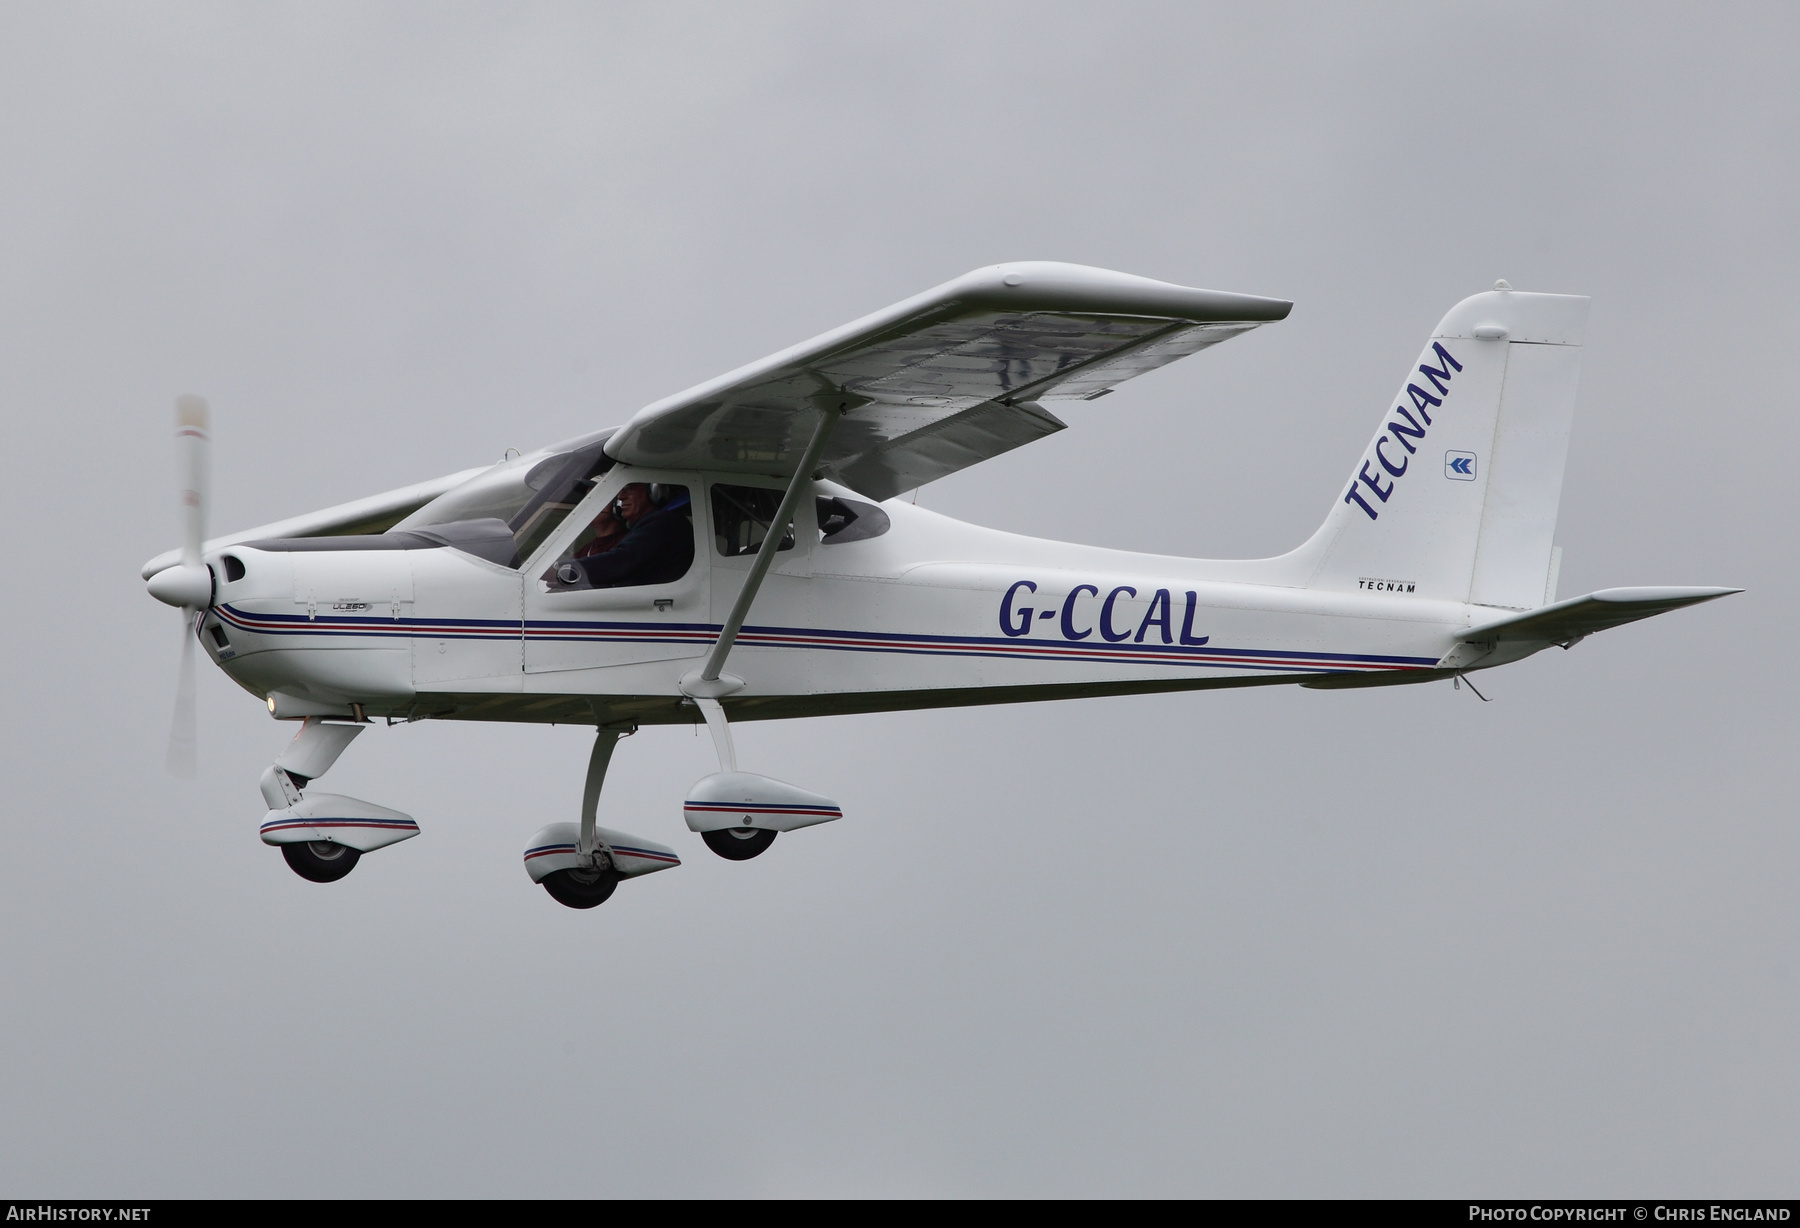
<point>944,380</point>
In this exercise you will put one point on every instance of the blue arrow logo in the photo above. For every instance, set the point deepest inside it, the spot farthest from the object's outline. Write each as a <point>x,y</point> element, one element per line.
<point>1460,466</point>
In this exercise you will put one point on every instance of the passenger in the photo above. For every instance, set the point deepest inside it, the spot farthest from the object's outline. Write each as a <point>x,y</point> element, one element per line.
<point>658,546</point>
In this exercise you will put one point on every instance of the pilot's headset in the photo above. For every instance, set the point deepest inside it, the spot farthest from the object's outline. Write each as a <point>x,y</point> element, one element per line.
<point>659,495</point>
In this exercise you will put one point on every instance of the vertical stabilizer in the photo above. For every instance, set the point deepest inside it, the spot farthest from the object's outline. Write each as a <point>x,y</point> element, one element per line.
<point>1456,496</point>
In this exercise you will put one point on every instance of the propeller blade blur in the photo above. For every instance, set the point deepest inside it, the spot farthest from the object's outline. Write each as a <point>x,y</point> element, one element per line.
<point>183,755</point>
<point>193,445</point>
<point>188,585</point>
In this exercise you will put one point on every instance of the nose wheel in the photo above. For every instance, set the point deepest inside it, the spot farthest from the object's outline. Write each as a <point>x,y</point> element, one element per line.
<point>738,843</point>
<point>320,861</point>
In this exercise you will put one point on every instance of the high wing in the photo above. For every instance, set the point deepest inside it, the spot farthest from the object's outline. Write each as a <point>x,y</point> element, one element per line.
<point>375,514</point>
<point>942,380</point>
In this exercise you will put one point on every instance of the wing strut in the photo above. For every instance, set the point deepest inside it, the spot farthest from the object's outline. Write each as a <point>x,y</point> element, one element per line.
<point>707,682</point>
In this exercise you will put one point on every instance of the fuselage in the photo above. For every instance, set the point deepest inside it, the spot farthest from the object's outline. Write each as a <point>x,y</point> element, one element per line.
<point>916,611</point>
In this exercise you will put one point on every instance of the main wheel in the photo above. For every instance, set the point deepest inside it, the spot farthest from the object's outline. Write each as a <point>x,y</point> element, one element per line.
<point>738,843</point>
<point>581,888</point>
<point>320,861</point>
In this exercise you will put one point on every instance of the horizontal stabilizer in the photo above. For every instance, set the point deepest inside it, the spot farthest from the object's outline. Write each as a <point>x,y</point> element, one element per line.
<point>1569,621</point>
<point>1601,611</point>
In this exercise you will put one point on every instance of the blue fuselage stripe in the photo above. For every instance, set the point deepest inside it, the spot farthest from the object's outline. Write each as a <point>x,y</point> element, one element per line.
<point>545,631</point>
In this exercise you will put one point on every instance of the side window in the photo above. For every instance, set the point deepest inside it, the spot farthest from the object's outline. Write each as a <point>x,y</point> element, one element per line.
<point>741,516</point>
<point>850,520</point>
<point>644,536</point>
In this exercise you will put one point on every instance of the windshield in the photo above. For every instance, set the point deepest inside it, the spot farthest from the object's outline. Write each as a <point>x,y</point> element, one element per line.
<point>499,493</point>
<point>556,491</point>
<point>530,496</point>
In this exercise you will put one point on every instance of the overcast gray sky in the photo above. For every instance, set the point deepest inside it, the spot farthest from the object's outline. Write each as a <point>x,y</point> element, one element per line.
<point>1269,942</point>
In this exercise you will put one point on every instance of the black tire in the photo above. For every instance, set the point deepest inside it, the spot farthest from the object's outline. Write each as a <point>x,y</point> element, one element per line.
<point>738,843</point>
<point>318,861</point>
<point>581,888</point>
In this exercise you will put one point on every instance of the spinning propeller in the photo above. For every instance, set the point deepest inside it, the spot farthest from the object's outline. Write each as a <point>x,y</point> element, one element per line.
<point>189,584</point>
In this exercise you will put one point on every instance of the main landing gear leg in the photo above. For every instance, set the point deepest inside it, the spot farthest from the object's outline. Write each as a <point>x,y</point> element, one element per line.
<point>580,864</point>
<point>731,843</point>
<point>738,813</point>
<point>591,883</point>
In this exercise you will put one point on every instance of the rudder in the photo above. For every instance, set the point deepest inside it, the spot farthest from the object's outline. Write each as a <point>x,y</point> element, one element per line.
<point>1456,496</point>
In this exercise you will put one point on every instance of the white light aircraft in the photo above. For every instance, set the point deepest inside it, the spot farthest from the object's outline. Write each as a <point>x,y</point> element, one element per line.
<point>736,552</point>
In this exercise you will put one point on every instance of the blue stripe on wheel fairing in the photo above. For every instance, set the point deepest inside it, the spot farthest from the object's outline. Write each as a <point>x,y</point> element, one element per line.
<point>546,850</point>
<point>547,631</point>
<point>383,824</point>
<point>725,808</point>
<point>645,854</point>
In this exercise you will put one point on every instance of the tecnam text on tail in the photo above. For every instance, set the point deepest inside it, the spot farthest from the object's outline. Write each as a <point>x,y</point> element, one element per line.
<point>736,552</point>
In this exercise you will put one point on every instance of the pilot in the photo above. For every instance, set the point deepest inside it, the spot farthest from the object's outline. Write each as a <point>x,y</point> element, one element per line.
<point>657,547</point>
<point>607,531</point>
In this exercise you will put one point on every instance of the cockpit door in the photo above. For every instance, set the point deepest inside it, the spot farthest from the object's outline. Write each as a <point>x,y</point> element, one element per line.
<point>632,615</point>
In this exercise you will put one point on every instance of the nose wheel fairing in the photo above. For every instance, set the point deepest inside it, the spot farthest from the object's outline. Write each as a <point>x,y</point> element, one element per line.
<point>334,819</point>
<point>323,835</point>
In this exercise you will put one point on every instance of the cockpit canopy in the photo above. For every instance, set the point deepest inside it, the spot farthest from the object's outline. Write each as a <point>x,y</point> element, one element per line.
<point>529,495</point>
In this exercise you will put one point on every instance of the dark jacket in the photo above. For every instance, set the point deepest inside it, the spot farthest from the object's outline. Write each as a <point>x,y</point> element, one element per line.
<point>659,548</point>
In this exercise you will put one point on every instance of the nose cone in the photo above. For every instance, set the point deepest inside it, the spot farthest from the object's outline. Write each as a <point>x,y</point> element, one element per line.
<point>185,587</point>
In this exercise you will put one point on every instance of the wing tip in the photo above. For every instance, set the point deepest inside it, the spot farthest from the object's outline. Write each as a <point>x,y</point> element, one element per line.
<point>1052,284</point>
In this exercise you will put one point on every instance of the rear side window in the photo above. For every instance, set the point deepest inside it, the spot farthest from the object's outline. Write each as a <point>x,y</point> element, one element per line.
<point>741,516</point>
<point>850,520</point>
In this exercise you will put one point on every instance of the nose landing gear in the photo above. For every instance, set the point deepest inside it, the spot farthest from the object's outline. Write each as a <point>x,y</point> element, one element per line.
<point>320,861</point>
<point>323,835</point>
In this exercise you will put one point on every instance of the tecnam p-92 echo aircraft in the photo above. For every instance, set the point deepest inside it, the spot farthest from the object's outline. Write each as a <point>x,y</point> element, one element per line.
<point>736,552</point>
